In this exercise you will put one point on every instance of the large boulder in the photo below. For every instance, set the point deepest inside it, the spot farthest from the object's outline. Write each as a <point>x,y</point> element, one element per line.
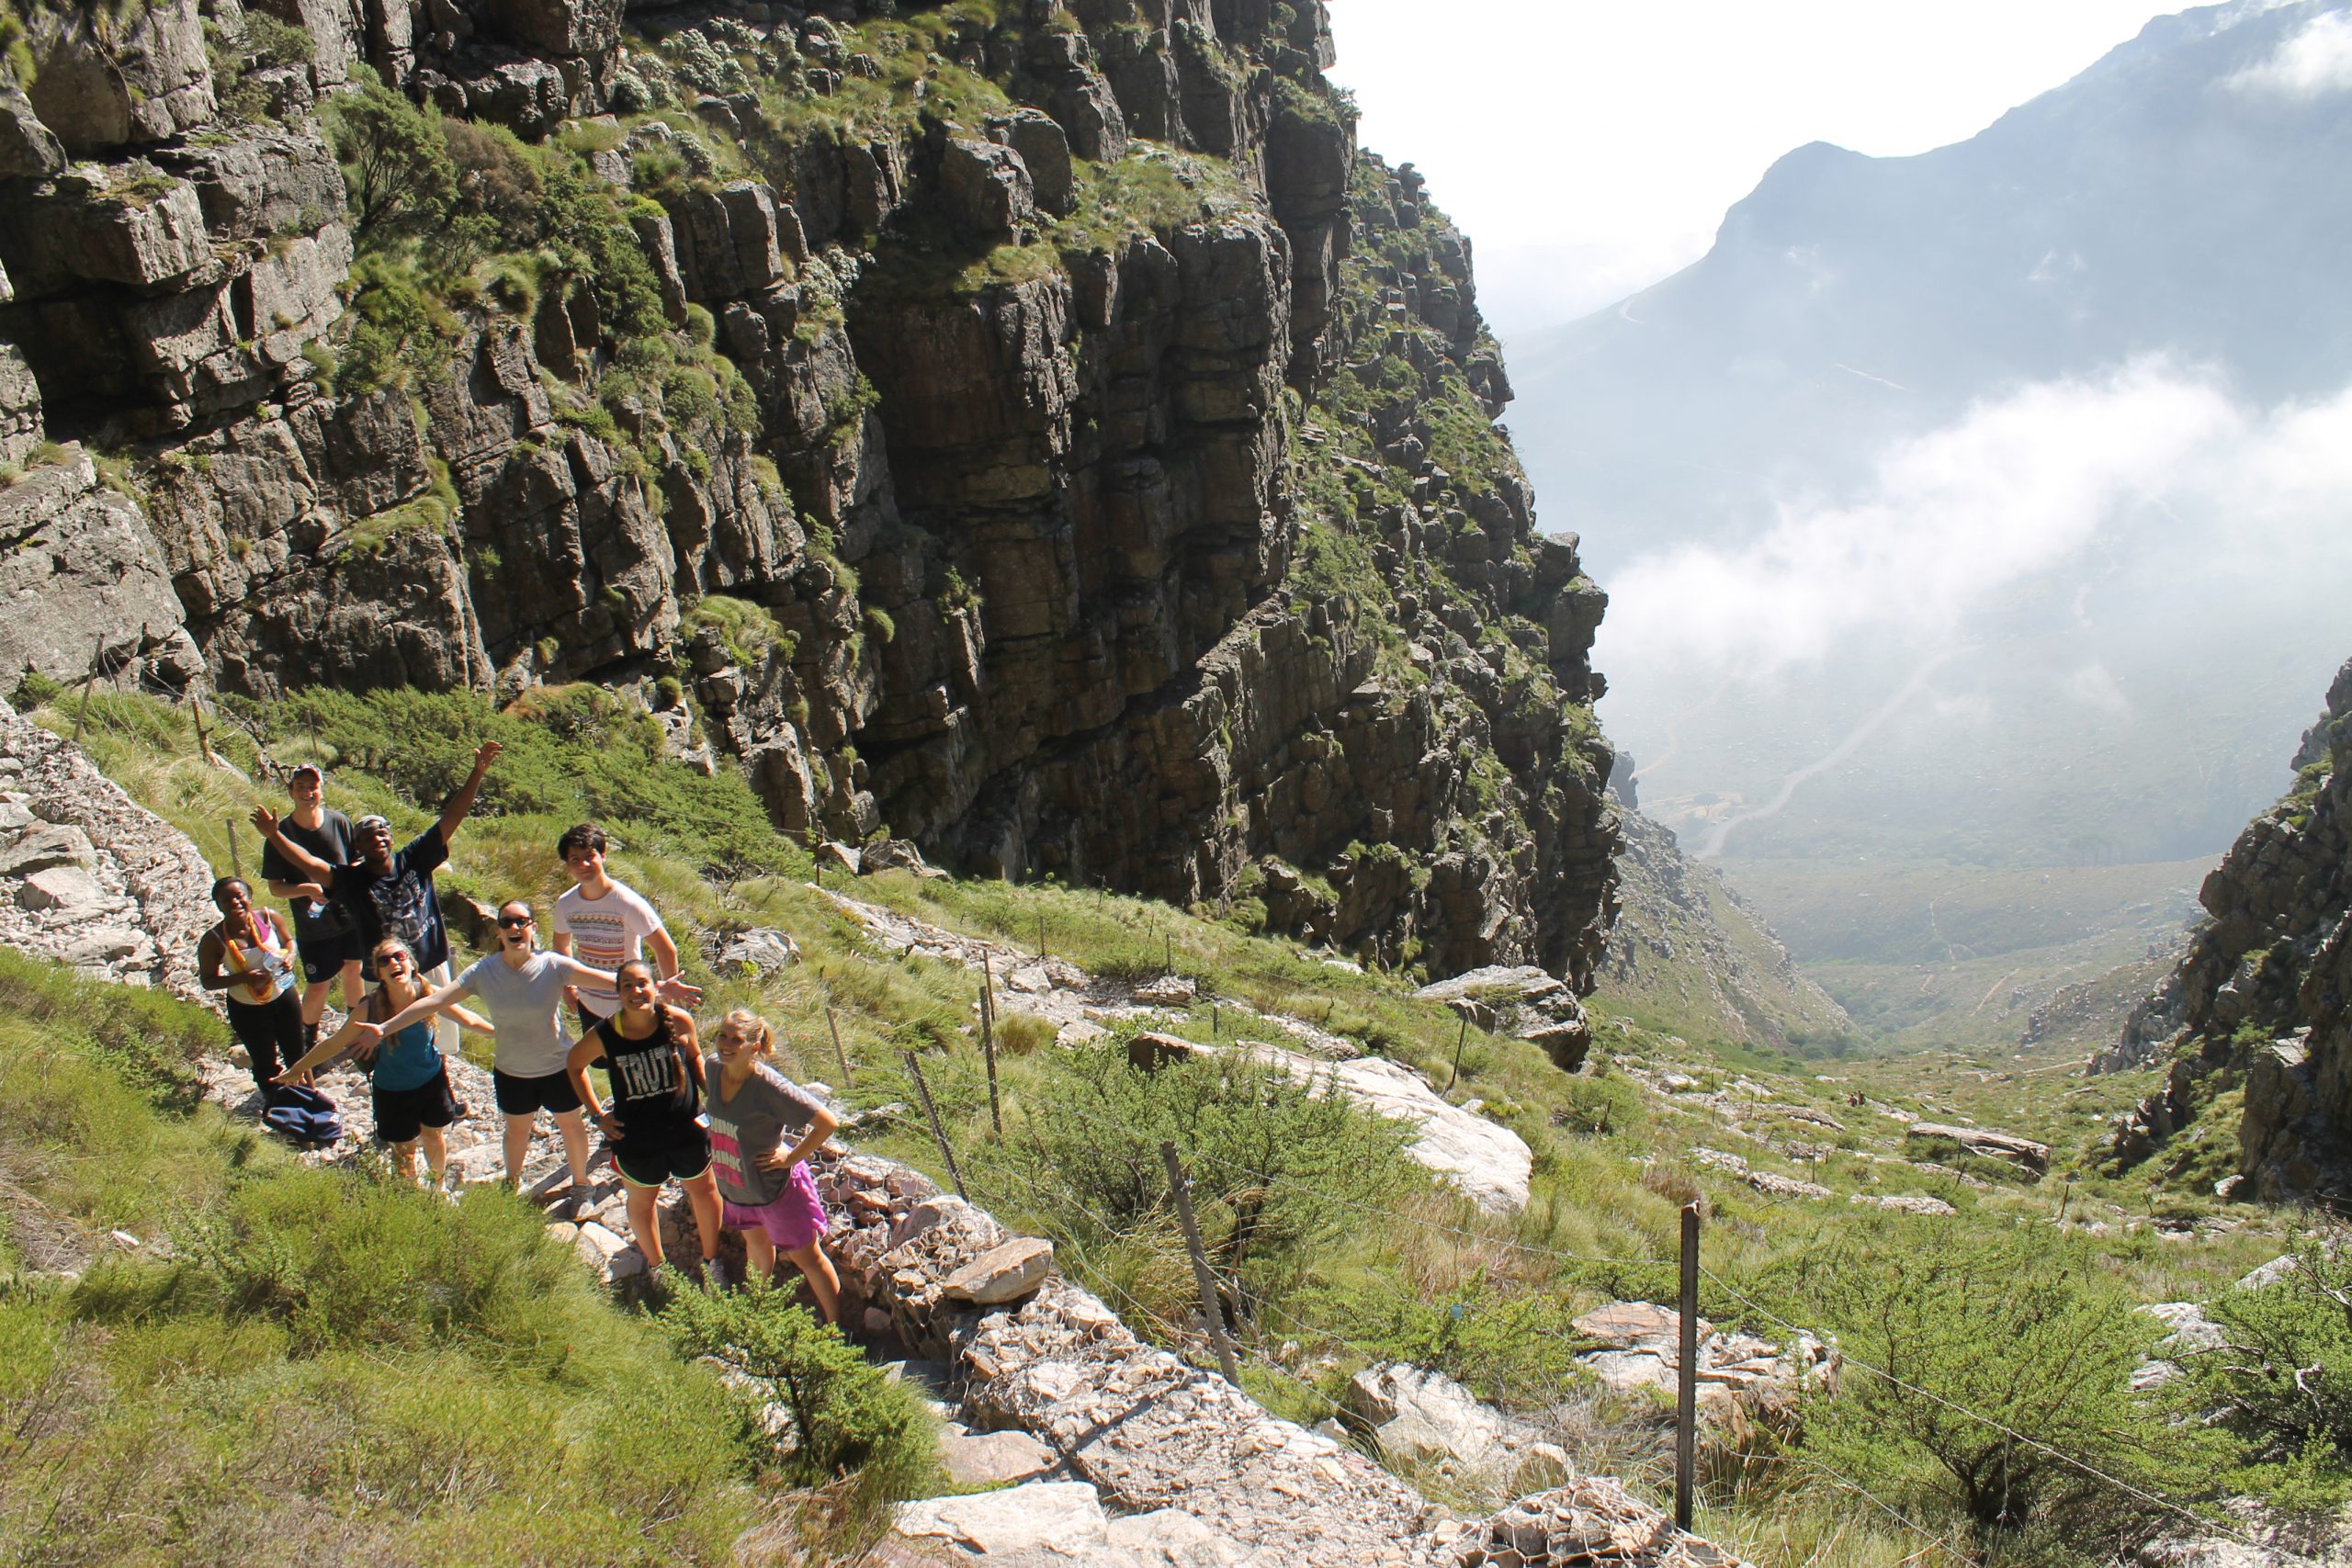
<point>104,78</point>
<point>27,148</point>
<point>84,590</point>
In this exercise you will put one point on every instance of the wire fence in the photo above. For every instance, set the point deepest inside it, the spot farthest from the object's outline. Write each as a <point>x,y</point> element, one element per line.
<point>1324,1334</point>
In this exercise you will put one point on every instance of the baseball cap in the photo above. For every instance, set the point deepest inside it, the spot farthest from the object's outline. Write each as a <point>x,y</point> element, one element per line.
<point>299,769</point>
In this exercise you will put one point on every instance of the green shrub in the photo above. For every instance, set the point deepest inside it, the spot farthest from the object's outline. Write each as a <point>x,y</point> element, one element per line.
<point>847,1413</point>
<point>748,629</point>
<point>2008,1345</point>
<point>2280,1381</point>
<point>1280,1172</point>
<point>34,690</point>
<point>396,164</point>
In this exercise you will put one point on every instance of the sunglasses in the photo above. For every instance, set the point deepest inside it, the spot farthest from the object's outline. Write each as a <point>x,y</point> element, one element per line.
<point>514,923</point>
<point>391,960</point>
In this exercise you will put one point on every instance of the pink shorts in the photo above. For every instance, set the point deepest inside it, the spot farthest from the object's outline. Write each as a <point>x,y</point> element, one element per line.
<point>793,1219</point>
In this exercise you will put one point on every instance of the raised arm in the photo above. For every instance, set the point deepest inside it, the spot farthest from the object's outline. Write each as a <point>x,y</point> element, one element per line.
<point>300,859</point>
<point>462,803</point>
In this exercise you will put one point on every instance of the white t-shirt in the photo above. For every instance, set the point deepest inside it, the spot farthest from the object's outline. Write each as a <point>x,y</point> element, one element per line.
<point>605,934</point>
<point>524,1003</point>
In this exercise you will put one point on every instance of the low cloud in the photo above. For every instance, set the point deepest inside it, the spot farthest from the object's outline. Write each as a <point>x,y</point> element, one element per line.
<point>2041,490</point>
<point>2095,686</point>
<point>2315,61</point>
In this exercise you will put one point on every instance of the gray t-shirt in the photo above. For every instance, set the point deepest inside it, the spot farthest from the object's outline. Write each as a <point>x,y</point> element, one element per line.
<point>750,1124</point>
<point>524,1003</point>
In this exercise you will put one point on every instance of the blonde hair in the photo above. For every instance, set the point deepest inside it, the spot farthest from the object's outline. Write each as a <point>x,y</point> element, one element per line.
<point>751,1027</point>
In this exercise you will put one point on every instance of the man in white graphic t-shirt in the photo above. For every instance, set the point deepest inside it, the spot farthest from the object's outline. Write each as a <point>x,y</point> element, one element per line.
<point>604,924</point>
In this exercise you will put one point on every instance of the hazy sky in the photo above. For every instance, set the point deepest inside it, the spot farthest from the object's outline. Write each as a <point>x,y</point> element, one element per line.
<point>1590,149</point>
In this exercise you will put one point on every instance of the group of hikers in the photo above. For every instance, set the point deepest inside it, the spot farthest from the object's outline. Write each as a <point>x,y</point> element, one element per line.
<point>729,1127</point>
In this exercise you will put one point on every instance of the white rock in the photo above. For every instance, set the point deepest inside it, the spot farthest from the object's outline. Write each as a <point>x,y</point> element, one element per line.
<point>1052,1515</point>
<point>1170,1538</point>
<point>993,1458</point>
<point>67,889</point>
<point>2270,1273</point>
<point>1488,1162</point>
<point>1003,1274</point>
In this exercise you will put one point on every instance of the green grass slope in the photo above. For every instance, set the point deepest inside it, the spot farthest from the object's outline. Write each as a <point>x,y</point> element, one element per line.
<point>211,1353</point>
<point>1338,1255</point>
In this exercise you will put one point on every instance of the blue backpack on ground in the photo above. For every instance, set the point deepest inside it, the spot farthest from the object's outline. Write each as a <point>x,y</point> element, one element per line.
<point>302,1115</point>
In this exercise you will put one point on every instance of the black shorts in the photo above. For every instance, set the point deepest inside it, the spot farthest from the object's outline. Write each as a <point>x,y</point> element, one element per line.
<point>521,1097</point>
<point>649,1159</point>
<point>324,956</point>
<point>401,1113</point>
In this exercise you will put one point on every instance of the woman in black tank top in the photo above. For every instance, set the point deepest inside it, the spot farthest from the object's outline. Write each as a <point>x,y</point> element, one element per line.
<point>653,1061</point>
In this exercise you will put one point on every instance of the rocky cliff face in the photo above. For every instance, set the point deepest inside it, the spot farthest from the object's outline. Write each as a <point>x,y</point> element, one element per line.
<point>2263,999</point>
<point>1038,431</point>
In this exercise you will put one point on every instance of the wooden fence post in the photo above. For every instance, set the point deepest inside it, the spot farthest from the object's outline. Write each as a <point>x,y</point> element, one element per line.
<point>1686,1381</point>
<point>1211,1312</point>
<point>938,1134</point>
<point>839,1054</point>
<point>988,1043</point>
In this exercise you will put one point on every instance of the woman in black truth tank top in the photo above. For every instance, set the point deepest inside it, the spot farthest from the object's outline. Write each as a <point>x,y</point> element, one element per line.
<point>655,1065</point>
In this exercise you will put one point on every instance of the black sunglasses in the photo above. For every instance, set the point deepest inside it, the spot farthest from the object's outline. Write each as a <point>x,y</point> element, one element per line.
<point>514,923</point>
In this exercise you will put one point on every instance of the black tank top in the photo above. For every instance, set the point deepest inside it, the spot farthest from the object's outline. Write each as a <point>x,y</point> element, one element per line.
<point>653,1089</point>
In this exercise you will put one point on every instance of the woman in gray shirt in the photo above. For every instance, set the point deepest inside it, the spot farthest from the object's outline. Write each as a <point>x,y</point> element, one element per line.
<point>765,1190</point>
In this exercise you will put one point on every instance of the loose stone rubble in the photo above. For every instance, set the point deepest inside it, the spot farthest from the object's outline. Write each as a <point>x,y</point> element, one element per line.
<point>1642,1347</point>
<point>1587,1521</point>
<point>87,875</point>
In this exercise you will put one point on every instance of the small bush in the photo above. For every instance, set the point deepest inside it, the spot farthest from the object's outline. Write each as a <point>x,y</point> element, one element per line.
<point>2023,1329</point>
<point>847,1415</point>
<point>2280,1381</point>
<point>1280,1172</point>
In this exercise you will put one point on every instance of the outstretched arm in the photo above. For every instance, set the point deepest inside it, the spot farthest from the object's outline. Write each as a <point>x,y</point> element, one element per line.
<point>472,1020</point>
<point>325,1054</point>
<point>302,860</point>
<point>672,989</point>
<point>417,1012</point>
<point>462,802</point>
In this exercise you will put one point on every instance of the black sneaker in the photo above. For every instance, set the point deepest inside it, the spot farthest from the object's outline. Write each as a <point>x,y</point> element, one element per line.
<point>721,1274</point>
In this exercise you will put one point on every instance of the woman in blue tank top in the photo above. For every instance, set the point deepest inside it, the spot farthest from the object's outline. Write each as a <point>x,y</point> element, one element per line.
<point>409,1080</point>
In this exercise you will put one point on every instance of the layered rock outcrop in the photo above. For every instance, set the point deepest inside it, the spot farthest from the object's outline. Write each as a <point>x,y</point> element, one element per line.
<point>2263,999</point>
<point>1041,434</point>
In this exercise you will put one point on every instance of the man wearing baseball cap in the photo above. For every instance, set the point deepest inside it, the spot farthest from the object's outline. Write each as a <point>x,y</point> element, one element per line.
<point>325,933</point>
<point>390,892</point>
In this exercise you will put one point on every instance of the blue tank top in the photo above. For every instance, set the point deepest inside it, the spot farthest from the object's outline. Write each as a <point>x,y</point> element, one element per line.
<point>409,1059</point>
